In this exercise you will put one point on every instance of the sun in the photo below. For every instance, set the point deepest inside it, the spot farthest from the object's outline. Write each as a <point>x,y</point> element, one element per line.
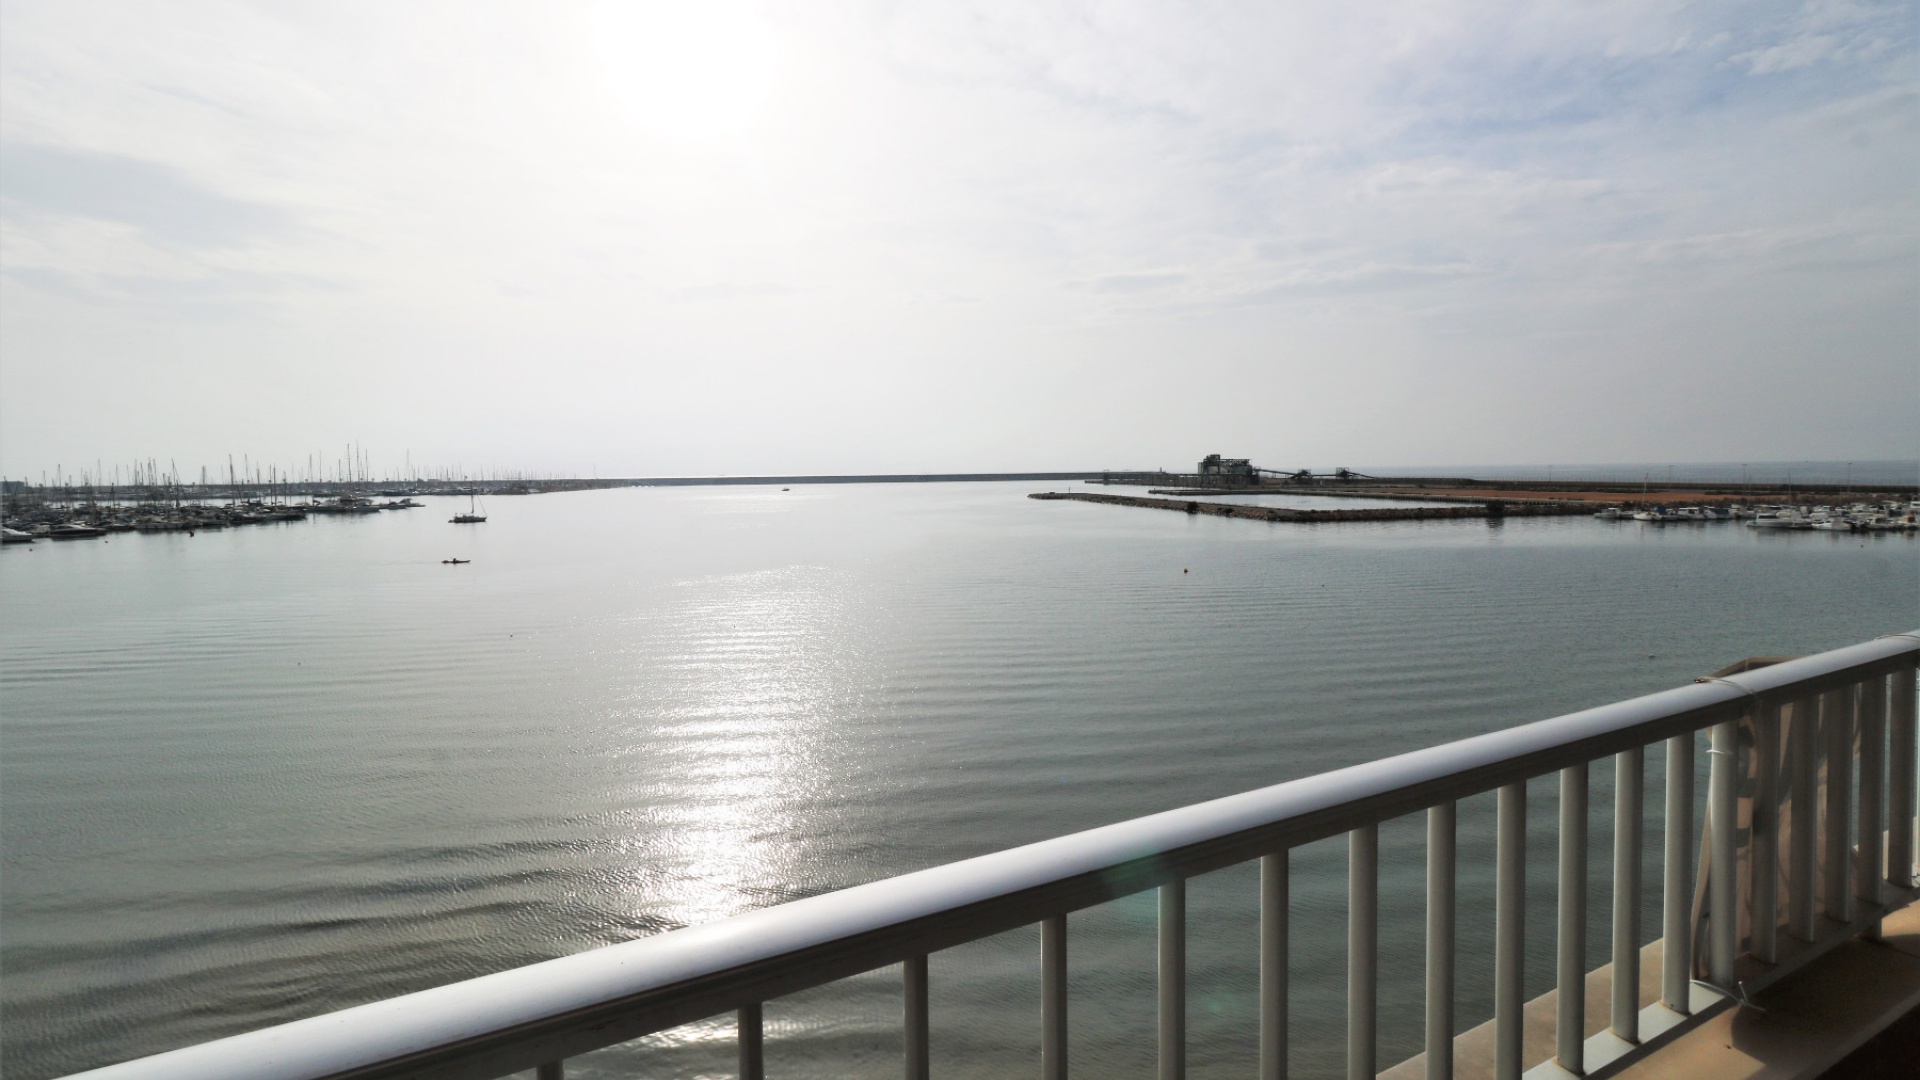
<point>696,71</point>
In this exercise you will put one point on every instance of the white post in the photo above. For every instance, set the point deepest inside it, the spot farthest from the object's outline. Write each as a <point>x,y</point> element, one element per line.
<point>1629,838</point>
<point>753,1056</point>
<point>1766,834</point>
<point>1053,997</point>
<point>1173,980</point>
<point>1510,931</point>
<point>1900,757</point>
<point>1676,923</point>
<point>1723,858</point>
<point>918,1061</point>
<point>1836,722</point>
<point>1273,966</point>
<point>1441,868</point>
<point>1363,948</point>
<point>1803,793</point>
<point>1870,868</point>
<point>1570,974</point>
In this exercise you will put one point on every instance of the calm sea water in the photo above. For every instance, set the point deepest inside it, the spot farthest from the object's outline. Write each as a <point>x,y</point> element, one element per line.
<point>263,773</point>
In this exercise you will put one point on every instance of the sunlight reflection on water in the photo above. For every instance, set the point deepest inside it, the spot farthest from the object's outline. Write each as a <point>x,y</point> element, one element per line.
<point>746,691</point>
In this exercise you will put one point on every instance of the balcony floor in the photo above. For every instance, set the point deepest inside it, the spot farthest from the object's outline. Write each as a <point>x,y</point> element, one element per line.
<point>1807,1025</point>
<point>1813,1020</point>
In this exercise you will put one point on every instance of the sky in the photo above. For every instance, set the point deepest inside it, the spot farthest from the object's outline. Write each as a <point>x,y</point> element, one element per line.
<point>634,239</point>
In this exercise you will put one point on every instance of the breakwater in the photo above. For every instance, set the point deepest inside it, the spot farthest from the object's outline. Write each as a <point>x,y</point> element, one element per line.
<point>1601,490</point>
<point>1484,509</point>
<point>1483,498</point>
<point>864,478</point>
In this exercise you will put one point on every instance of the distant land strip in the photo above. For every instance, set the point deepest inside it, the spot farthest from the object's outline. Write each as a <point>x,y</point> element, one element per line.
<point>1518,508</point>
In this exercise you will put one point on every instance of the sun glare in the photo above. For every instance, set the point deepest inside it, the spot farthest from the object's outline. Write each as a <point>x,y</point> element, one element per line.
<point>692,71</point>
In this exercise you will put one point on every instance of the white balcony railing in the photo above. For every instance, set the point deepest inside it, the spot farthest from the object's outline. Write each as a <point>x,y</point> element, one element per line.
<point>1817,755</point>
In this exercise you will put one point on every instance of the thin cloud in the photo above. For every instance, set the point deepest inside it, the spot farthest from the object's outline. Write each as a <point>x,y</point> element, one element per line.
<point>153,198</point>
<point>737,290</point>
<point>1146,281</point>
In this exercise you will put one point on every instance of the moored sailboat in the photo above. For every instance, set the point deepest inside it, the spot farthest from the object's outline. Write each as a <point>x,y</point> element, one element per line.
<point>473,516</point>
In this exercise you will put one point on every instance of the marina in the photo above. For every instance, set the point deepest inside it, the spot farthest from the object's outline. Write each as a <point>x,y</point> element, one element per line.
<point>78,514</point>
<point>86,520</point>
<point>265,773</point>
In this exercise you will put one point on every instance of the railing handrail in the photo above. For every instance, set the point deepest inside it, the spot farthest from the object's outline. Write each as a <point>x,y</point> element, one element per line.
<point>542,1012</point>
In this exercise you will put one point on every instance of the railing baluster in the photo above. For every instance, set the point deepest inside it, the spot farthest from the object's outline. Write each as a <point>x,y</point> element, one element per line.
<point>1901,763</point>
<point>1629,838</point>
<point>1274,906</point>
<point>552,1070</point>
<point>1441,868</point>
<point>753,1055</point>
<point>1173,980</point>
<point>1723,794</point>
<point>1766,834</point>
<point>1803,783</point>
<point>1676,922</point>
<point>1510,931</point>
<point>917,1053</point>
<point>1053,997</point>
<point>1363,949</point>
<point>1570,975</point>
<point>1870,867</point>
<point>1836,721</point>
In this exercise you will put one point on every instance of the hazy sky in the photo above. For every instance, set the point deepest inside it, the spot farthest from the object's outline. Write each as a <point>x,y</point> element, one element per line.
<point>716,237</point>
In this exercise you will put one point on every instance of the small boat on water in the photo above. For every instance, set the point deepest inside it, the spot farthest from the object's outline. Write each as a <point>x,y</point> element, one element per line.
<point>14,536</point>
<point>455,562</point>
<point>74,531</point>
<point>345,504</point>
